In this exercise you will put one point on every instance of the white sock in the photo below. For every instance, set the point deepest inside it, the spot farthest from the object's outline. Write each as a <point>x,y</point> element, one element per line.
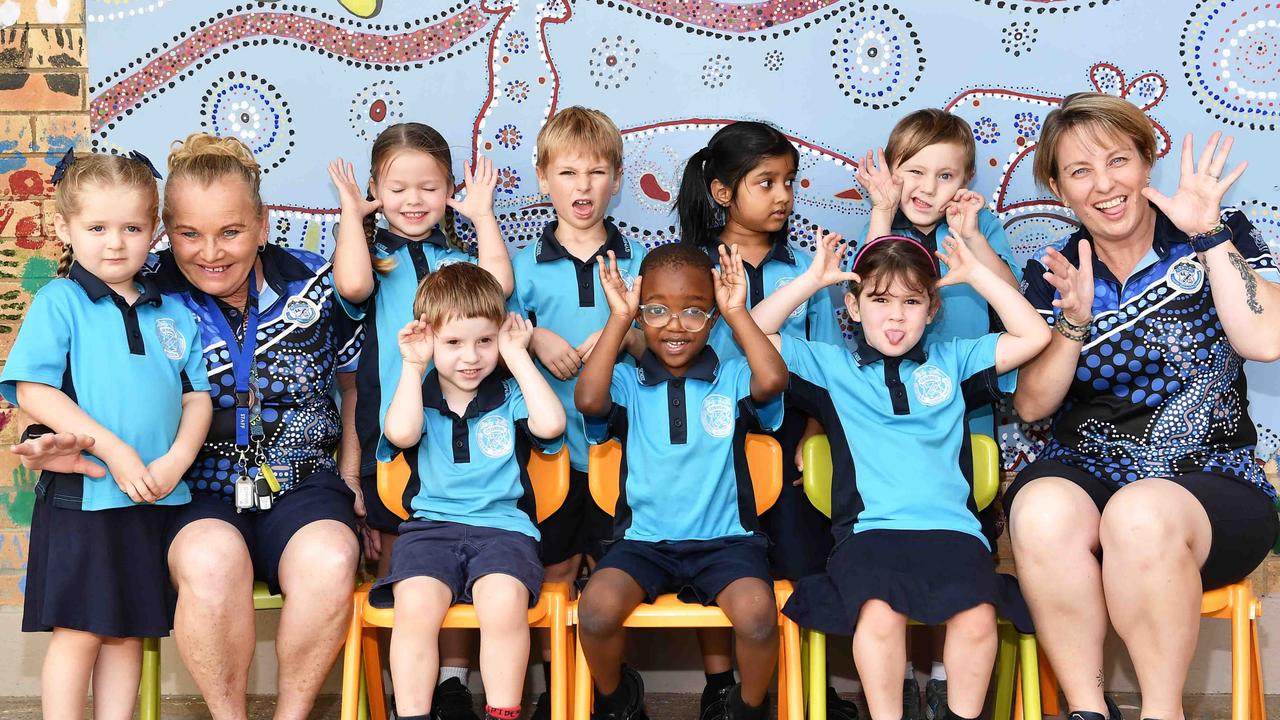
<point>938,672</point>
<point>454,672</point>
<point>911,672</point>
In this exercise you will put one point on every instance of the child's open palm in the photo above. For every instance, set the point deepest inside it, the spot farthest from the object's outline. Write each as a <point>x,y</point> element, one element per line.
<point>514,334</point>
<point>730,281</point>
<point>417,342</point>
<point>959,261</point>
<point>962,214</point>
<point>623,301</point>
<point>478,202</point>
<point>828,257</point>
<point>343,176</point>
<point>881,184</point>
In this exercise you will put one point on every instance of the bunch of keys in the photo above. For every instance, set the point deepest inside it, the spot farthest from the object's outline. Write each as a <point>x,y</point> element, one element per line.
<point>257,492</point>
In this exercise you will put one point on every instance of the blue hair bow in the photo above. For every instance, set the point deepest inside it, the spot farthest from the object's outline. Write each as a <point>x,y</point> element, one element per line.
<point>61,168</point>
<point>135,155</point>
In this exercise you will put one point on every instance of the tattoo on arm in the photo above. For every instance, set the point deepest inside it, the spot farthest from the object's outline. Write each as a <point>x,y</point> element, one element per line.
<point>1250,282</point>
<point>1099,678</point>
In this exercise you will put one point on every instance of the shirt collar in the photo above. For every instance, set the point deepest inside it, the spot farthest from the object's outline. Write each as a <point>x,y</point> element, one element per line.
<point>1164,236</point>
<point>903,226</point>
<point>388,242</point>
<point>865,354</point>
<point>781,251</point>
<point>279,268</point>
<point>489,396</point>
<point>96,289</point>
<point>652,372</point>
<point>549,248</point>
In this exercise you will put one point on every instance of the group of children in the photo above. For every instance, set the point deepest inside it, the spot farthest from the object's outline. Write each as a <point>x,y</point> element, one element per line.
<point>471,361</point>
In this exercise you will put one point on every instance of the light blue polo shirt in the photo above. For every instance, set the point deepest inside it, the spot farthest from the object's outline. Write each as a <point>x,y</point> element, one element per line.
<point>127,366</point>
<point>473,469</point>
<point>561,293</point>
<point>385,313</point>
<point>964,314</point>
<point>814,319</point>
<point>903,420</point>
<point>683,474</point>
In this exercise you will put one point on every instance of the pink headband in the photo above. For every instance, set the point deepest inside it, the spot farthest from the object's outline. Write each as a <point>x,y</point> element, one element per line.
<point>889,238</point>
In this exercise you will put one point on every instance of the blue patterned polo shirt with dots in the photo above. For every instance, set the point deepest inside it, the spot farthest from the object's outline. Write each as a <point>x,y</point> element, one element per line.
<point>1158,391</point>
<point>304,338</point>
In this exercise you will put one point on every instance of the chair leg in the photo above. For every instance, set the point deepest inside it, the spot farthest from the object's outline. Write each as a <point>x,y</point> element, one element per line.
<point>351,671</point>
<point>559,660</point>
<point>1241,658</point>
<point>1029,666</point>
<point>1006,665</point>
<point>1048,686</point>
<point>373,674</point>
<point>581,684</point>
<point>816,681</point>
<point>1259,704</point>
<point>149,685</point>
<point>793,677</point>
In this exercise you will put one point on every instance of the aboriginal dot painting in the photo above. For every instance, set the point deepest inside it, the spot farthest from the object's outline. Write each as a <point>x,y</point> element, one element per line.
<point>302,83</point>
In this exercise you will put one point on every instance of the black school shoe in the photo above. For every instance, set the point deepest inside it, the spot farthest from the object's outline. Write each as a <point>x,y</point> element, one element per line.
<point>452,701</point>
<point>1113,712</point>
<point>911,700</point>
<point>712,704</point>
<point>633,709</point>
<point>736,709</point>
<point>542,708</point>
<point>838,708</point>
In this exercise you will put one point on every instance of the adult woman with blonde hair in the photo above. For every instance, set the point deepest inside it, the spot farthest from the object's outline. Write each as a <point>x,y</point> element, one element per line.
<point>1148,491</point>
<point>268,501</point>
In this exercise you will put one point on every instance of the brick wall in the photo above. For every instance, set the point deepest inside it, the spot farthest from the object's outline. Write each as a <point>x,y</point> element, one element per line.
<point>43,110</point>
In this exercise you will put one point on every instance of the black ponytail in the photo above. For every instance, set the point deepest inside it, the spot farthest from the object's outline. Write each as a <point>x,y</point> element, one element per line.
<point>733,152</point>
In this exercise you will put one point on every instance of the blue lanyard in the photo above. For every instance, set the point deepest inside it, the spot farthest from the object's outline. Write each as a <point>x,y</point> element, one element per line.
<point>241,354</point>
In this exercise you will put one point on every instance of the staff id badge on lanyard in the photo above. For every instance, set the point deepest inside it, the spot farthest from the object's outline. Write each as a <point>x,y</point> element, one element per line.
<point>259,491</point>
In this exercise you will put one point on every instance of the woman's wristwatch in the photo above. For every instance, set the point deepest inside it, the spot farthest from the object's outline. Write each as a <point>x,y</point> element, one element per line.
<point>1210,238</point>
<point>1072,331</point>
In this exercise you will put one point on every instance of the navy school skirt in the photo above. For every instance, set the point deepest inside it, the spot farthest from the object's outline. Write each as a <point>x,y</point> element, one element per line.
<point>103,571</point>
<point>927,575</point>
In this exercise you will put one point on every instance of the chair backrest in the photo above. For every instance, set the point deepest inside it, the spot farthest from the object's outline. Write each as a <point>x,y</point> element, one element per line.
<point>817,471</point>
<point>549,475</point>
<point>764,464</point>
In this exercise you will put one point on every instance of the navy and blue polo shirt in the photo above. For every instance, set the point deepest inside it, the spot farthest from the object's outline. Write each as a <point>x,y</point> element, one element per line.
<point>472,469</point>
<point>902,418</point>
<point>1158,390</point>
<point>561,293</point>
<point>814,319</point>
<point>384,314</point>
<point>127,366</point>
<point>684,471</point>
<point>304,338</point>
<point>964,313</point>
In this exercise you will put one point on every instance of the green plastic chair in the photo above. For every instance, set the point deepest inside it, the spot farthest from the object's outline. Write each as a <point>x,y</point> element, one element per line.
<point>149,687</point>
<point>1017,651</point>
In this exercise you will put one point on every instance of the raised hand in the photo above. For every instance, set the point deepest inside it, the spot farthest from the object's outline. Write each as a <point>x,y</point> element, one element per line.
<point>1074,285</point>
<point>959,261</point>
<point>514,334</point>
<point>828,261</point>
<point>1197,205</point>
<point>623,301</point>
<point>478,202</point>
<point>730,281</point>
<point>352,200</point>
<point>962,215</point>
<point>417,342</point>
<point>883,187</point>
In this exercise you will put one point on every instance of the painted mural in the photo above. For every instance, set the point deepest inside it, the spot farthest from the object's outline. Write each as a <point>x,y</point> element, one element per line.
<point>301,83</point>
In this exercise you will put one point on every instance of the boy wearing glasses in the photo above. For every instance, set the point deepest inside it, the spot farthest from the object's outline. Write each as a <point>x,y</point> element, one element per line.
<point>685,520</point>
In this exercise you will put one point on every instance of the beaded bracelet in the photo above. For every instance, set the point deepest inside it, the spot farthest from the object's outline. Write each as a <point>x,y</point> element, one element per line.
<point>1070,330</point>
<point>1210,238</point>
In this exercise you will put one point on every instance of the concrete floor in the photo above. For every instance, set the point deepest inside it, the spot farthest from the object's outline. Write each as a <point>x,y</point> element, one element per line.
<point>661,706</point>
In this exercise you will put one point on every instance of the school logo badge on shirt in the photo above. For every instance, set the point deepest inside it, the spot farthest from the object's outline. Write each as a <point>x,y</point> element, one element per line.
<point>171,340</point>
<point>493,435</point>
<point>799,309</point>
<point>302,312</point>
<point>1186,275</point>
<point>717,416</point>
<point>931,385</point>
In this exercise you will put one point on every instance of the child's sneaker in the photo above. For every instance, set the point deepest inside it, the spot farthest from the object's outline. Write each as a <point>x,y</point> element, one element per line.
<point>911,700</point>
<point>542,708</point>
<point>736,709</point>
<point>633,709</point>
<point>452,701</point>
<point>838,708</point>
<point>712,704</point>
<point>935,699</point>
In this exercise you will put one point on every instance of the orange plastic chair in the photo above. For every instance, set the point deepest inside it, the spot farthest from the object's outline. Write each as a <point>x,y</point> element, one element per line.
<point>764,462</point>
<point>550,478</point>
<point>1238,604</point>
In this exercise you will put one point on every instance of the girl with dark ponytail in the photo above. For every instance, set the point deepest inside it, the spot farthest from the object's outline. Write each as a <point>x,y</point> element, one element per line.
<point>377,271</point>
<point>738,191</point>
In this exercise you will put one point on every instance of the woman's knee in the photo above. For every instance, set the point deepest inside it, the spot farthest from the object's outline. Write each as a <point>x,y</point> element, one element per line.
<point>1150,520</point>
<point>209,559</point>
<point>1051,515</point>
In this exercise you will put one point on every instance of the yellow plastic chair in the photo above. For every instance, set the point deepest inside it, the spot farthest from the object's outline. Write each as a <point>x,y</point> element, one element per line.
<point>549,475</point>
<point>1017,654</point>
<point>764,462</point>
<point>1238,604</point>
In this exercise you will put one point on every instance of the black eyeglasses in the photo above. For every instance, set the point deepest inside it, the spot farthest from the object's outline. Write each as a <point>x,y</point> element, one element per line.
<point>691,318</point>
